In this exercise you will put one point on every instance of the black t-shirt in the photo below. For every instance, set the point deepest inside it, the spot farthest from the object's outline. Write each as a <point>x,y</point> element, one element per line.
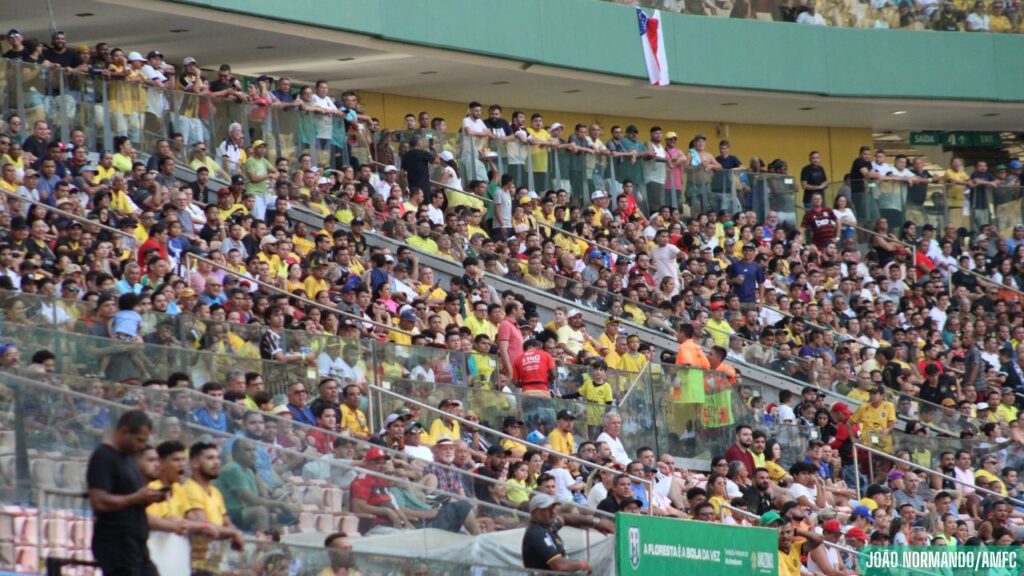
<point>857,181</point>
<point>116,473</point>
<point>416,164</point>
<point>539,546</point>
<point>918,193</point>
<point>609,504</point>
<point>67,58</point>
<point>15,54</point>
<point>813,175</point>
<point>499,127</point>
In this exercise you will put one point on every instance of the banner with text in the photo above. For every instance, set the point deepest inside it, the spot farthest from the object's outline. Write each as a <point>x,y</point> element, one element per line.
<point>647,545</point>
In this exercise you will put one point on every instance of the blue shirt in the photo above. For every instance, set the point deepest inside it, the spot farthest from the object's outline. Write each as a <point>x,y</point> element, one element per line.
<point>302,415</point>
<point>204,418</point>
<point>752,274</point>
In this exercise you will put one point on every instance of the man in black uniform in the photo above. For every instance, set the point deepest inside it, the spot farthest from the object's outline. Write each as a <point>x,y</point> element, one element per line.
<point>119,497</point>
<point>542,548</point>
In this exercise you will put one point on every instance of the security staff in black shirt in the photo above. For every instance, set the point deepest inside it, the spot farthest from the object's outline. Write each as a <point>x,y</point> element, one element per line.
<point>542,547</point>
<point>119,497</point>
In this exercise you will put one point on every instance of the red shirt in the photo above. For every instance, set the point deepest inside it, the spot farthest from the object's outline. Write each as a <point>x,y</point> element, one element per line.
<point>510,332</point>
<point>822,223</point>
<point>374,491</point>
<point>321,440</point>
<point>530,371</point>
<point>736,453</point>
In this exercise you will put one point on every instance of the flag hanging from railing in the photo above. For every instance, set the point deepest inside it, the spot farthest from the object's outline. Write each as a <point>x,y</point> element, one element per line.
<point>653,41</point>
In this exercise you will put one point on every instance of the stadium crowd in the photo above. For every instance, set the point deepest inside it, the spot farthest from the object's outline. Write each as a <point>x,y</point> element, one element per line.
<point>627,230</point>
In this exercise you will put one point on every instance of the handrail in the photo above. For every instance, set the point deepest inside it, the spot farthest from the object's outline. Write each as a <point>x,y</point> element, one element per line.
<point>302,299</point>
<point>578,237</point>
<point>639,376</point>
<point>445,186</point>
<point>899,460</point>
<point>67,214</point>
<point>504,436</point>
<point>986,280</point>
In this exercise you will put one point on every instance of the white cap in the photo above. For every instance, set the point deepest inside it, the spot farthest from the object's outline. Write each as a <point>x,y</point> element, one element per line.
<point>135,57</point>
<point>390,168</point>
<point>323,181</point>
<point>573,312</point>
<point>981,406</point>
<point>446,156</point>
<point>598,194</point>
<point>556,126</point>
<point>533,195</point>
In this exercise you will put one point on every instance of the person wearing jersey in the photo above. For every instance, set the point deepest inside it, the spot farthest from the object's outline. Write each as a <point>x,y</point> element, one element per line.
<point>820,222</point>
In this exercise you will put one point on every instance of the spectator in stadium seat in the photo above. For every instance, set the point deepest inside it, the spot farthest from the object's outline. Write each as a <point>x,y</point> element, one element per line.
<point>739,451</point>
<point>611,430</point>
<point>248,504</point>
<point>561,438</point>
<point>807,488</point>
<point>353,419</point>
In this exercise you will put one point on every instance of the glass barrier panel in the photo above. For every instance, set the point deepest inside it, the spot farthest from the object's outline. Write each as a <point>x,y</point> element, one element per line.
<point>778,194</point>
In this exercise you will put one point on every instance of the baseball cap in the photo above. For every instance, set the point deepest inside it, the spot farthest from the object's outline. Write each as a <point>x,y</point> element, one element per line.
<point>446,156</point>
<point>1015,164</point>
<point>770,517</point>
<point>670,135</point>
<point>611,320</point>
<point>557,125</point>
<point>14,32</point>
<point>280,410</point>
<point>409,316</point>
<point>862,511</point>
<point>717,305</point>
<point>135,57</point>
<point>392,418</point>
<point>414,428</point>
<point>542,502</point>
<point>357,222</point>
<point>981,405</point>
<point>598,194</point>
<point>154,54</point>
<point>238,179</point>
<point>390,168</point>
<point>375,453</point>
<point>188,60</point>
<point>841,408</point>
<point>564,414</point>
<point>449,402</point>
<point>258,143</point>
<point>510,420</point>
<point>894,475</point>
<point>749,246</point>
<point>857,534</point>
<point>573,312</point>
<point>832,526</point>
<point>630,501</point>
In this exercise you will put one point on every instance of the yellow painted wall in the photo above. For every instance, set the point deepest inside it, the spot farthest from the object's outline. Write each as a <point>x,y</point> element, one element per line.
<point>838,146</point>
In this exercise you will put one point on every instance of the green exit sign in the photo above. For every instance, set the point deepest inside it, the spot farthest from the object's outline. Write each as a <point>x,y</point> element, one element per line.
<point>956,139</point>
<point>926,138</point>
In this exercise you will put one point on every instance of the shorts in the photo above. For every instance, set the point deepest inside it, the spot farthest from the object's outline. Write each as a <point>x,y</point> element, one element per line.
<point>123,557</point>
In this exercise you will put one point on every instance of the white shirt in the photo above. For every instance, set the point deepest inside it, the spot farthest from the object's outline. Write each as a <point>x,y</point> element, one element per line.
<point>810,19</point>
<point>328,366</point>
<point>797,490</point>
<point>977,22</point>
<point>324,122</point>
<point>785,413</point>
<point>233,153</point>
<point>563,479</point>
<point>471,125</point>
<point>665,264</point>
<point>156,103</point>
<point>435,215</point>
<point>597,493</point>
<point>833,559</point>
<point>421,452</point>
<point>619,453</point>
<point>939,316</point>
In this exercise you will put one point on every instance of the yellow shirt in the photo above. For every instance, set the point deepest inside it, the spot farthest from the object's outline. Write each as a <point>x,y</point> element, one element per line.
<point>720,331</point>
<point>399,338</point>
<point>439,430</point>
<point>8,186</point>
<point>563,442</point>
<point>354,421</point>
<point>209,163</point>
<point>478,327</point>
<point>104,174</point>
<point>302,245</point>
<point>874,422</point>
<point>172,508</point>
<point>211,503</point>
<point>632,362</point>
<point>604,341</point>
<point>789,563</point>
<point>1006,413</point>
<point>422,244</point>
<point>598,394</point>
<point>121,203</point>
<point>613,360</point>
<point>999,24</point>
<point>988,477</point>
<point>859,395</point>
<point>312,286</point>
<point>539,153</point>
<point>955,194</point>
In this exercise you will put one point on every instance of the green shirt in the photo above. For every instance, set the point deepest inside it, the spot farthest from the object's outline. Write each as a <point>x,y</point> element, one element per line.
<point>258,167</point>
<point>491,194</point>
<point>232,479</point>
